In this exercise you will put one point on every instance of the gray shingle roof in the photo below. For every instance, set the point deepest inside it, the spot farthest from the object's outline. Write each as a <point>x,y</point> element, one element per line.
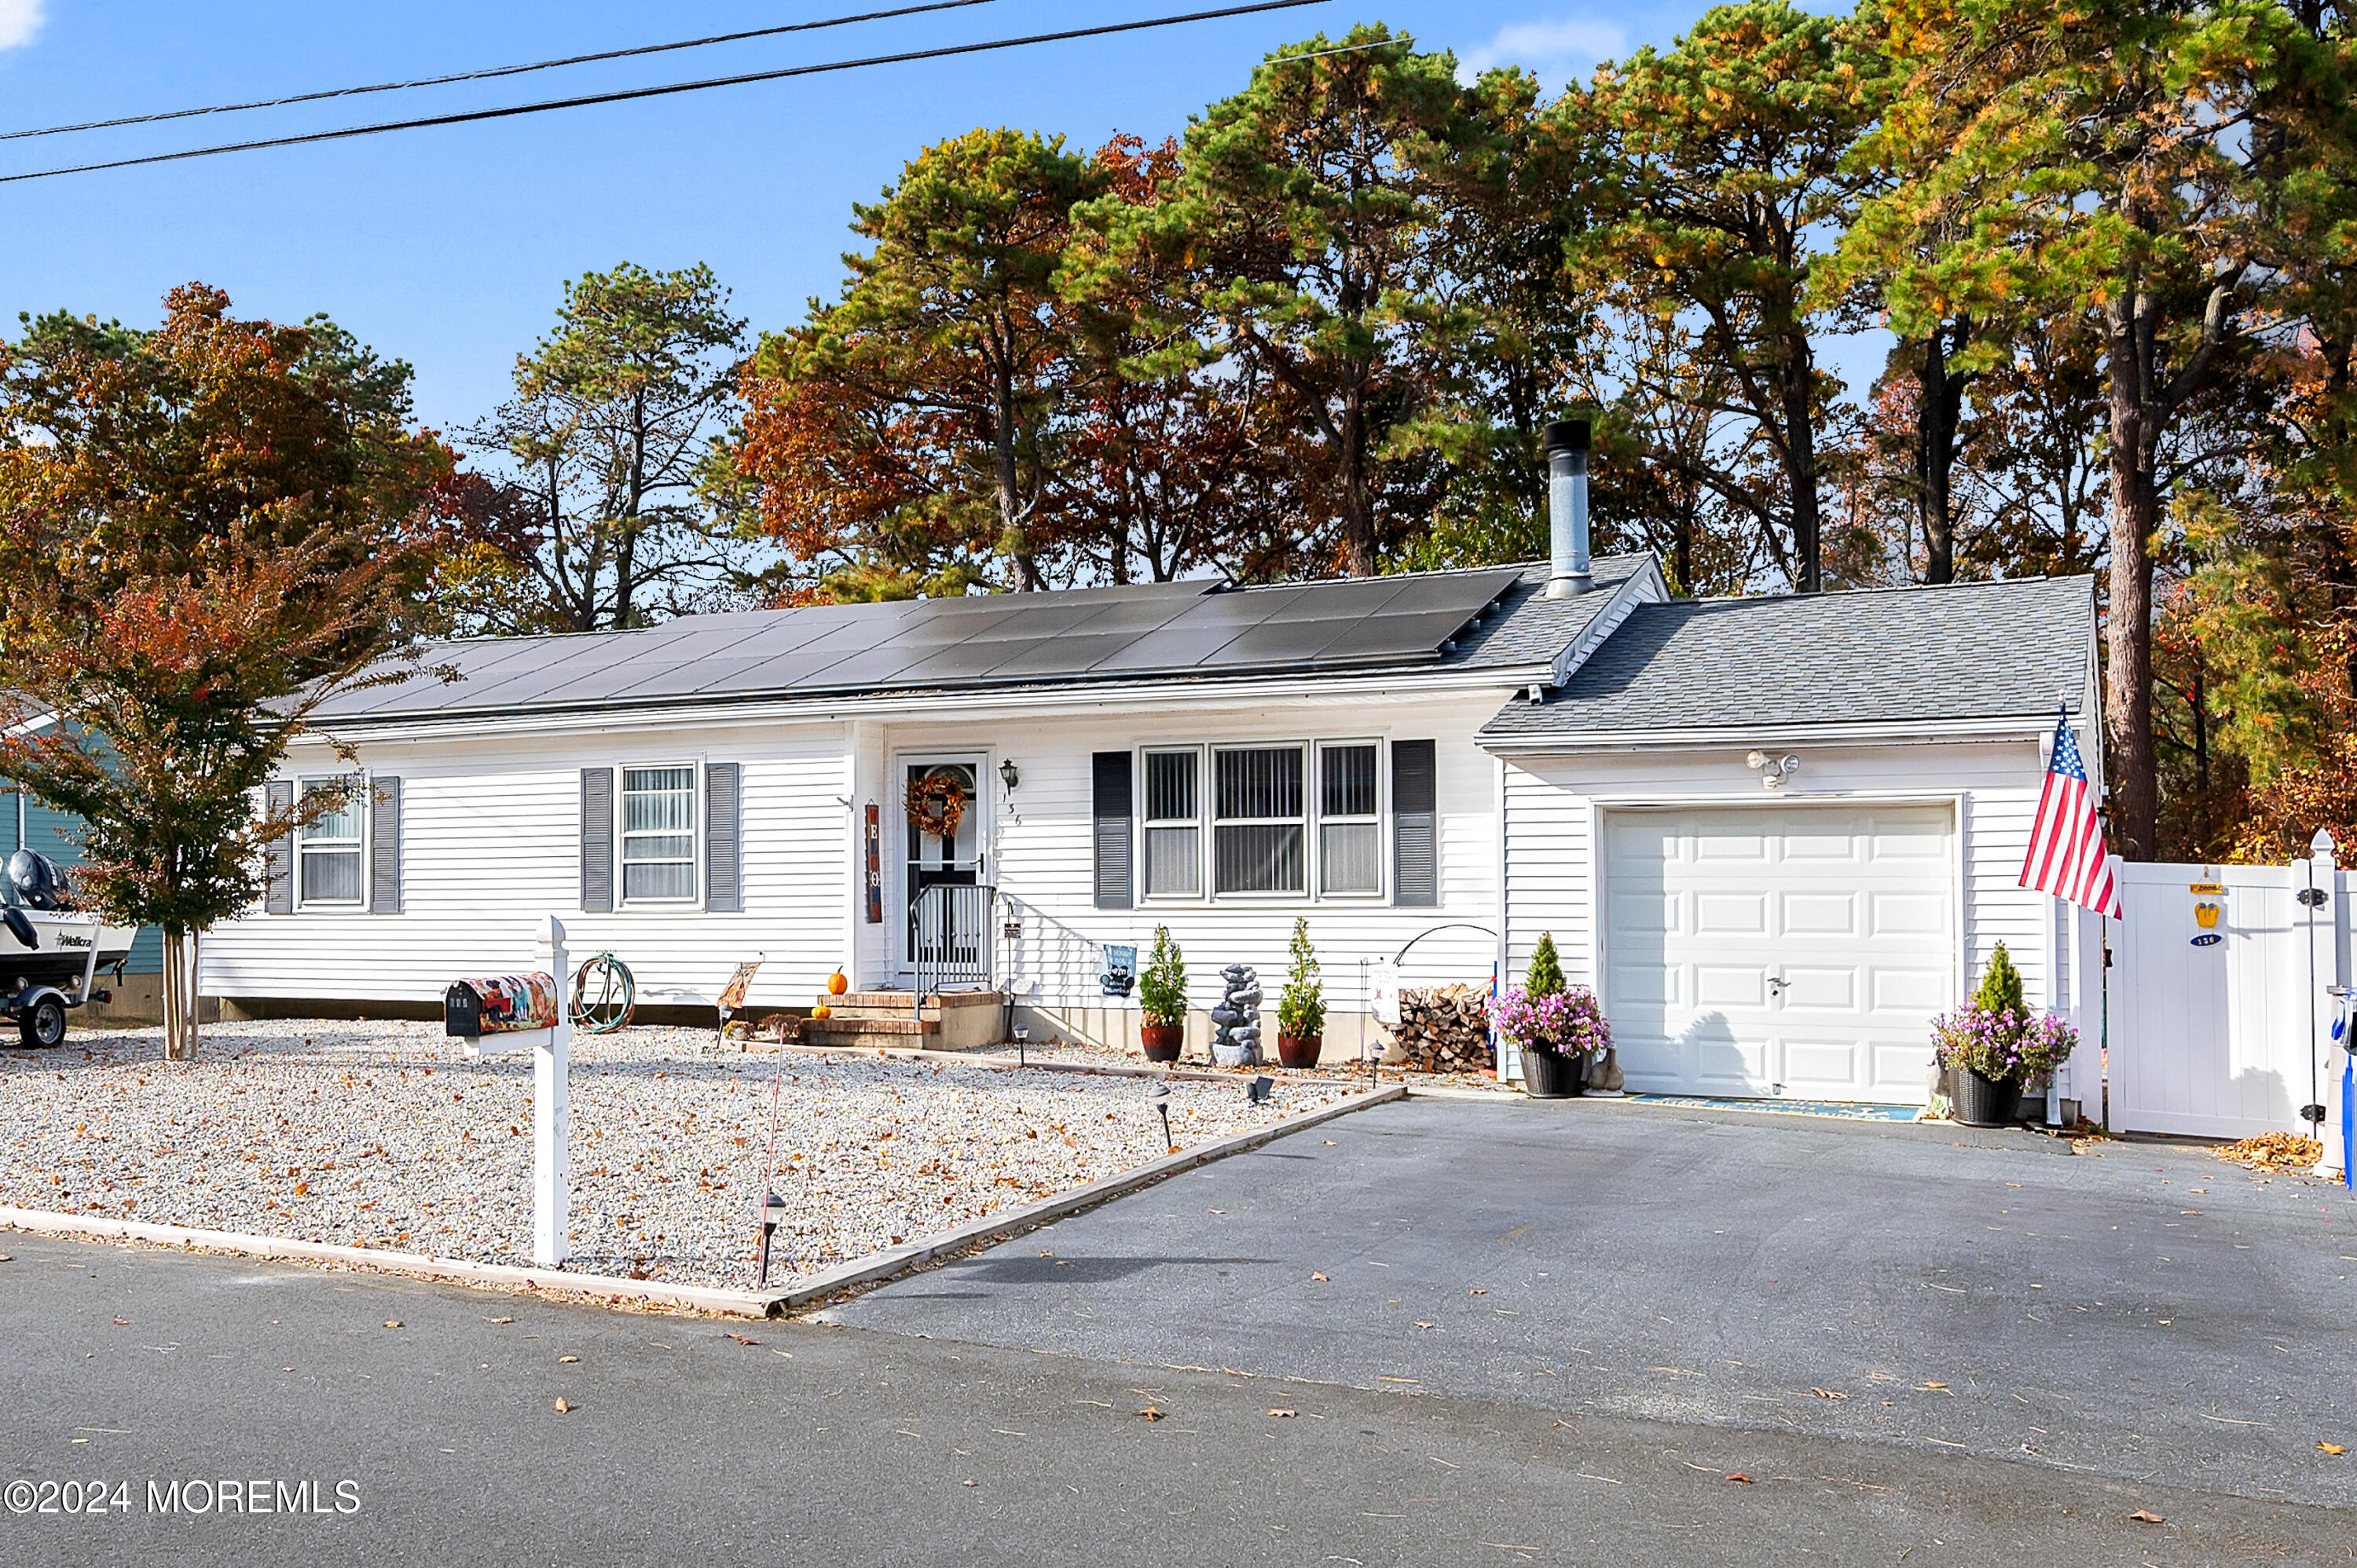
<point>1961,651</point>
<point>1492,617</point>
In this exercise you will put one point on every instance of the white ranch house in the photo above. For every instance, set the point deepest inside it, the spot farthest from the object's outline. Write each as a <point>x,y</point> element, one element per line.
<point>1480,755</point>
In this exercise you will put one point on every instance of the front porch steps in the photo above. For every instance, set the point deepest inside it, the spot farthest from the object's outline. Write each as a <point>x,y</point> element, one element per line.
<point>891,1018</point>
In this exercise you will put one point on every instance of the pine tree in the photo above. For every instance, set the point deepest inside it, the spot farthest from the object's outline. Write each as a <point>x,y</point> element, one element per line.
<point>2000,990</point>
<point>1545,976</point>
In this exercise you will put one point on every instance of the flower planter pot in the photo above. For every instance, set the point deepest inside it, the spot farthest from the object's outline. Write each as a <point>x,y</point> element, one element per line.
<point>1299,1051</point>
<point>1546,1076</point>
<point>1986,1101</point>
<point>1162,1041</point>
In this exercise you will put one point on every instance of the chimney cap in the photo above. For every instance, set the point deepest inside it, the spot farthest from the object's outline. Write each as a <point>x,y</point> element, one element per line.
<point>1568,436</point>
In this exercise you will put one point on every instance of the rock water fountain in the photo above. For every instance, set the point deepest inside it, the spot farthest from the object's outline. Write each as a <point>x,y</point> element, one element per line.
<point>1237,1020</point>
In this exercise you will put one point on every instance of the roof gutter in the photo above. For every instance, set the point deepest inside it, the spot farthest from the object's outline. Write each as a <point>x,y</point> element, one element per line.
<point>1919,732</point>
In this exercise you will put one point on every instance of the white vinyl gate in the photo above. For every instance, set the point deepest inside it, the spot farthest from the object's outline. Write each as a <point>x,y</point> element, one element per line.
<point>2219,1005</point>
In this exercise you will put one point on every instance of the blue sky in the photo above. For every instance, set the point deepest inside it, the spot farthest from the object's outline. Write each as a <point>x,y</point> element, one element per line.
<point>447,247</point>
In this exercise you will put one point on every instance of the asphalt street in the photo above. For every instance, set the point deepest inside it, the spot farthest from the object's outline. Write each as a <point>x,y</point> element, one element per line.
<point>2151,1314</point>
<point>417,1423</point>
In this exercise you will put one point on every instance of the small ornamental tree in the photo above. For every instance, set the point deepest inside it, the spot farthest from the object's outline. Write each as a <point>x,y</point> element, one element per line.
<point>1544,975</point>
<point>2000,988</point>
<point>1301,1008</point>
<point>206,531</point>
<point>1162,988</point>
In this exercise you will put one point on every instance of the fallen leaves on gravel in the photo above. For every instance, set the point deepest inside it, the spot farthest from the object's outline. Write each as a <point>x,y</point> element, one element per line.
<point>1738,1475</point>
<point>562,1406</point>
<point>1149,1413</point>
<point>567,1360</point>
<point>2145,1516</point>
<point>1320,1277</point>
<point>1287,1416</point>
<point>392,1323</point>
<point>2331,1448</point>
<point>1829,1393</point>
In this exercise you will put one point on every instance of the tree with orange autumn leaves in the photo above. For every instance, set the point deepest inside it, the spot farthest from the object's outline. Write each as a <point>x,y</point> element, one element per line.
<point>205,530</point>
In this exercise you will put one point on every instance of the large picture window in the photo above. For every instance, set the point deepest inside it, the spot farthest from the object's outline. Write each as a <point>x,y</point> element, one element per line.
<point>1174,824</point>
<point>1350,822</point>
<point>658,834</point>
<point>1257,826</point>
<point>328,847</point>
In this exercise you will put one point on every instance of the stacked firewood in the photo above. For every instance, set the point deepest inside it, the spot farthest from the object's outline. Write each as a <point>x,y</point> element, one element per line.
<point>1444,1029</point>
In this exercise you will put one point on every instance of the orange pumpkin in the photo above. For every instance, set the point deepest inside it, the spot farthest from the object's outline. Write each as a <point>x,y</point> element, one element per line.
<point>822,1011</point>
<point>837,983</point>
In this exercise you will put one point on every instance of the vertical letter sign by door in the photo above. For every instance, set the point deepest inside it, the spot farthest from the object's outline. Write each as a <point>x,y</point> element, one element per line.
<point>874,865</point>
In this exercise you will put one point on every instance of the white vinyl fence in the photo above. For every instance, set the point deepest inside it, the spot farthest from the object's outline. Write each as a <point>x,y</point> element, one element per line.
<point>2220,1005</point>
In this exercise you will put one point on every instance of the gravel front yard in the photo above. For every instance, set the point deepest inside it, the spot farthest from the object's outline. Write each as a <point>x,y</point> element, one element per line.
<point>382,1135</point>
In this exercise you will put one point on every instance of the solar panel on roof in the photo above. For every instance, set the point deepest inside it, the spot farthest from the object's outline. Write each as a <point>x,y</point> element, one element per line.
<point>1135,629</point>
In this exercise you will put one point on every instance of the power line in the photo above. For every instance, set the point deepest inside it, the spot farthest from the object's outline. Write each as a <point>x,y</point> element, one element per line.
<point>627,94</point>
<point>493,71</point>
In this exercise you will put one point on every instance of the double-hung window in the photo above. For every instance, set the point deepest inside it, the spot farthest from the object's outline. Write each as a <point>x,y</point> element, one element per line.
<point>1350,820</point>
<point>1257,827</point>
<point>1174,824</point>
<point>658,835</point>
<point>327,847</point>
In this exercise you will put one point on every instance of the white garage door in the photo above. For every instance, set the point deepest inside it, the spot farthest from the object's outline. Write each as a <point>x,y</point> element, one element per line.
<point>1793,950</point>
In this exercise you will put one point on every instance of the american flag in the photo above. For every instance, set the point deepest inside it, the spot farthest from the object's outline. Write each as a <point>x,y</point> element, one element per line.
<point>2066,854</point>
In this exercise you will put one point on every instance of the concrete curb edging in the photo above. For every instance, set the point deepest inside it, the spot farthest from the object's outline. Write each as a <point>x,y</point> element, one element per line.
<point>608,1288</point>
<point>707,1298</point>
<point>1004,1226</point>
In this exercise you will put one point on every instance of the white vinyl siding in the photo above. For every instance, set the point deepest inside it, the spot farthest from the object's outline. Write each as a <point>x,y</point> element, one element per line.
<point>1349,818</point>
<point>330,848</point>
<point>658,835</point>
<point>1256,832</point>
<point>1174,823</point>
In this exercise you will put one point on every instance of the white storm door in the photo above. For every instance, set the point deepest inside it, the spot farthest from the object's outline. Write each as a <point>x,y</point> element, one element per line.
<point>1798,950</point>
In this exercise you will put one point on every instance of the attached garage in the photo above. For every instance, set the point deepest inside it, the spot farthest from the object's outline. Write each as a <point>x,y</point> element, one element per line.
<point>1779,950</point>
<point>1779,836</point>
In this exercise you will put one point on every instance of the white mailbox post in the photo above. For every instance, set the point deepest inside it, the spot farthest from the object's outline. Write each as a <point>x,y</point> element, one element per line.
<point>552,1182</point>
<point>551,1049</point>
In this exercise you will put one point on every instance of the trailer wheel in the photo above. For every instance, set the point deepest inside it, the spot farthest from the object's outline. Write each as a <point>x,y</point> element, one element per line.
<point>44,1024</point>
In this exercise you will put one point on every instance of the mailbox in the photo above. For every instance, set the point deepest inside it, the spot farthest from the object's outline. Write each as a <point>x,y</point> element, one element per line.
<point>500,1004</point>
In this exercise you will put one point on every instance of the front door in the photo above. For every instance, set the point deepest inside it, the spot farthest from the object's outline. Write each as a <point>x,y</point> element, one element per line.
<point>945,835</point>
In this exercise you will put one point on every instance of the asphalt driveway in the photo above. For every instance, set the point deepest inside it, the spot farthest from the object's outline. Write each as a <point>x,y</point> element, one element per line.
<point>2151,1314</point>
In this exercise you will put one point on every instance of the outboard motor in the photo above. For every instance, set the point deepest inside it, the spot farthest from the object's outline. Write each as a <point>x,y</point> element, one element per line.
<point>35,881</point>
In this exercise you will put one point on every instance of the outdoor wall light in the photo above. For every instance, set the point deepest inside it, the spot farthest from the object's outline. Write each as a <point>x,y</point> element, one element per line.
<point>1010,775</point>
<point>1773,769</point>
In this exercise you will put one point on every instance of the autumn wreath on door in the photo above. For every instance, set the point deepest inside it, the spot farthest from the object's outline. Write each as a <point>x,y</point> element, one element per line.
<point>937,803</point>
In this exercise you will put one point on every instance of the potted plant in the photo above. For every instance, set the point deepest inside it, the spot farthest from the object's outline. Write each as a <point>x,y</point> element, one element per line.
<point>1162,1000</point>
<point>1559,1028</point>
<point>1992,1047</point>
<point>1301,1006</point>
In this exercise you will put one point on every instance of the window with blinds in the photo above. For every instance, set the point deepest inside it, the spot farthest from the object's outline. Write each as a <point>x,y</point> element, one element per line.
<point>327,848</point>
<point>1257,828</point>
<point>1350,819</point>
<point>658,834</point>
<point>1174,824</point>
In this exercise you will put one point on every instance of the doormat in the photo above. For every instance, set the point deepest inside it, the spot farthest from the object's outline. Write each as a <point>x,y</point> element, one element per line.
<point>1848,1112</point>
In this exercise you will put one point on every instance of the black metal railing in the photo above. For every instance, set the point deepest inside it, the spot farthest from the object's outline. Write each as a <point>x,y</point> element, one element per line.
<point>952,929</point>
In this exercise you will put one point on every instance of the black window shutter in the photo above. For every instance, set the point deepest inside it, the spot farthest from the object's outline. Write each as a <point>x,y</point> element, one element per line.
<point>384,846</point>
<point>597,840</point>
<point>1415,824</point>
<point>278,856</point>
<point>1113,854</point>
<point>724,888</point>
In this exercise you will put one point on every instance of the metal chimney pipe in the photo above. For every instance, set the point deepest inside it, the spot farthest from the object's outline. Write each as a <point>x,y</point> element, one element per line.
<point>1567,454</point>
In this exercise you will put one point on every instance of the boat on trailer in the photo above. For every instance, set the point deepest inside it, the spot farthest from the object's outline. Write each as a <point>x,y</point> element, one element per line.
<point>49,954</point>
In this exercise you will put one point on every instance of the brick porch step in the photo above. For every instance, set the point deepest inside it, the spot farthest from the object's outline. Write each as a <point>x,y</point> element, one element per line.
<point>902,1029</point>
<point>901,999</point>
